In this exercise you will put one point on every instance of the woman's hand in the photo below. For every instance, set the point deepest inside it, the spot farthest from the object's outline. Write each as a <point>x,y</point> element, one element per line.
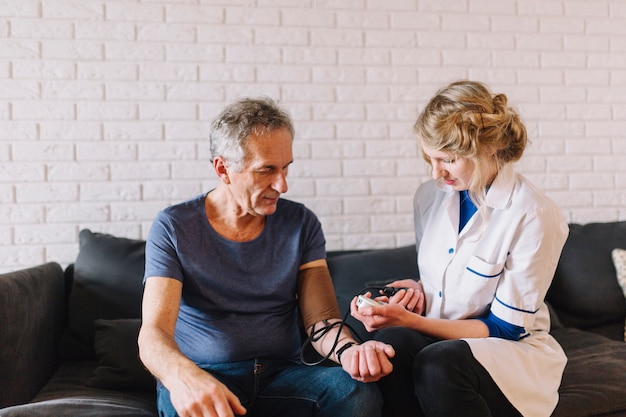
<point>412,298</point>
<point>386,315</point>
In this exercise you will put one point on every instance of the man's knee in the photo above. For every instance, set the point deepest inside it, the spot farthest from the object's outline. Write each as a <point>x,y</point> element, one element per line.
<point>366,398</point>
<point>344,385</point>
<point>344,396</point>
<point>164,404</point>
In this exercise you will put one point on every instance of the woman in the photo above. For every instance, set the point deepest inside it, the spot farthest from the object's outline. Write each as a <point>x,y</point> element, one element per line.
<point>471,337</point>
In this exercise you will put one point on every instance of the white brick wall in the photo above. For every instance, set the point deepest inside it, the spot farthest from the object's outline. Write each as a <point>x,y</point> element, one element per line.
<point>105,105</point>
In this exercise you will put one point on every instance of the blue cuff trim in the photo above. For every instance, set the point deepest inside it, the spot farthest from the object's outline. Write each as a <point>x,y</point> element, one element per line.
<point>515,308</point>
<point>502,329</point>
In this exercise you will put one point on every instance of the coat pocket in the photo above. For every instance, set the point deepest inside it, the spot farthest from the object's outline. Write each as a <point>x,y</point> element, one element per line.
<point>479,282</point>
<point>484,269</point>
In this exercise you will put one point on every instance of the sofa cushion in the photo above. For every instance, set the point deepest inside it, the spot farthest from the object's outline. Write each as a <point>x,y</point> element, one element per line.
<point>119,366</point>
<point>595,375</point>
<point>584,292</point>
<point>619,259</point>
<point>107,284</point>
<point>67,395</point>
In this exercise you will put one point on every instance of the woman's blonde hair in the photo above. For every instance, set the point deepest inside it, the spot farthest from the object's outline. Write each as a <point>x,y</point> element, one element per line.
<point>466,120</point>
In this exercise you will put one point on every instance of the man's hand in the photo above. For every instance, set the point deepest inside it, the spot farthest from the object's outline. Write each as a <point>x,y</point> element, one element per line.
<point>199,394</point>
<point>368,362</point>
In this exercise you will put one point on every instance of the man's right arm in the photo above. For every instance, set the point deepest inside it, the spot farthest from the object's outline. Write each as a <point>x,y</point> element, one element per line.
<point>193,391</point>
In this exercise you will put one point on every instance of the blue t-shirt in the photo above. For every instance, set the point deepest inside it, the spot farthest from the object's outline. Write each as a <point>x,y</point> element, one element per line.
<point>239,298</point>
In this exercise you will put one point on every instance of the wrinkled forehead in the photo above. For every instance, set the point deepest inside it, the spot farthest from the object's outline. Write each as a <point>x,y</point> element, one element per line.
<point>276,145</point>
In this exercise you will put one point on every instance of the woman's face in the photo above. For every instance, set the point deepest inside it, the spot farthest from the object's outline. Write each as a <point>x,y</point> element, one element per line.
<point>453,170</point>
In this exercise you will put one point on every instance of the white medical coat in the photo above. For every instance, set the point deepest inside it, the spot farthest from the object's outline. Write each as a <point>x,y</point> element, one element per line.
<point>505,265</point>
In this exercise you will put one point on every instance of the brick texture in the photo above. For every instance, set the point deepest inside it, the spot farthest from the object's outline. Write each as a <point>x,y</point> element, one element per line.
<point>105,105</point>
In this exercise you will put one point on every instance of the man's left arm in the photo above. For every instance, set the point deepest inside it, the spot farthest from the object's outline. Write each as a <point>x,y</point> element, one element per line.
<point>366,362</point>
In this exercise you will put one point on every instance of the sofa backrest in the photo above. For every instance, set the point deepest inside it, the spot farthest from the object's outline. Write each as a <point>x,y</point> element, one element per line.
<point>31,321</point>
<point>108,274</point>
<point>353,271</point>
<point>585,292</point>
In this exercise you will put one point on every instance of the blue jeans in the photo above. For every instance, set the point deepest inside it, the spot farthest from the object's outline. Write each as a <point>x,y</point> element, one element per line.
<point>275,388</point>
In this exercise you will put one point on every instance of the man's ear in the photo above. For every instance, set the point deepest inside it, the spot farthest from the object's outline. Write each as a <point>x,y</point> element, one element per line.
<point>219,165</point>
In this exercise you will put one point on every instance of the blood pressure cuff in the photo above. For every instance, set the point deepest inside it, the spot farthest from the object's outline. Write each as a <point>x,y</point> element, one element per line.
<point>316,296</point>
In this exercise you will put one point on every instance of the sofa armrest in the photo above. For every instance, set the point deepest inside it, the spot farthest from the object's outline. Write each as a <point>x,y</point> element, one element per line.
<point>32,319</point>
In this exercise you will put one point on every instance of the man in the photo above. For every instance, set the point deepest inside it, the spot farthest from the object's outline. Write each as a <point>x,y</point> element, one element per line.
<point>227,274</point>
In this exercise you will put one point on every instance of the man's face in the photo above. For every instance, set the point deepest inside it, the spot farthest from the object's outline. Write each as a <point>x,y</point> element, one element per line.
<point>263,178</point>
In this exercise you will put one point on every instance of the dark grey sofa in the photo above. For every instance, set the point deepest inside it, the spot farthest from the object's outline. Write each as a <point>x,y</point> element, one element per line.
<point>68,342</point>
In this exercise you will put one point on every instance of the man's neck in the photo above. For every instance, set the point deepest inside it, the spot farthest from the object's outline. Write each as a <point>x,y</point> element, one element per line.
<point>227,218</point>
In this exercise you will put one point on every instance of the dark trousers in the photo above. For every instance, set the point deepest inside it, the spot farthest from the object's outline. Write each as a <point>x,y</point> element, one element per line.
<point>433,378</point>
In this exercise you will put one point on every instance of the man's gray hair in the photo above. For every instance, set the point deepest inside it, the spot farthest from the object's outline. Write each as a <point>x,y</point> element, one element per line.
<point>232,128</point>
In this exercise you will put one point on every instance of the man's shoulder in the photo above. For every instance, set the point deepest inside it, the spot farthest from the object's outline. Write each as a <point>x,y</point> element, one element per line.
<point>190,205</point>
<point>285,205</point>
<point>295,214</point>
